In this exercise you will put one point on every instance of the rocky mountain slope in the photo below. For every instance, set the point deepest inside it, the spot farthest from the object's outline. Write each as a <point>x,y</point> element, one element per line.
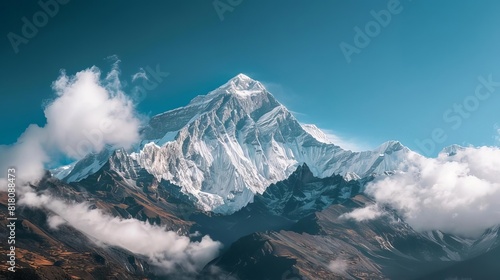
<point>43,252</point>
<point>327,245</point>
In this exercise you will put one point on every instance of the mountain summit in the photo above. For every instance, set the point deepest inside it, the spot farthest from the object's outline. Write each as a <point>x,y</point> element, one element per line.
<point>225,147</point>
<point>243,85</point>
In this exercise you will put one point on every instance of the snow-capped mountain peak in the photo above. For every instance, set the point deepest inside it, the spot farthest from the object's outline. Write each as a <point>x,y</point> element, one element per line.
<point>243,85</point>
<point>225,147</point>
<point>240,86</point>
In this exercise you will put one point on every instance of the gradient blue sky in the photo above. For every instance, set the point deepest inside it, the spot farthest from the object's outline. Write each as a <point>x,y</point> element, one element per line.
<point>427,58</point>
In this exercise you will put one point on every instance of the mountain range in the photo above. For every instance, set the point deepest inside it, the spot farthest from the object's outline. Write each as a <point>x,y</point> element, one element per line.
<point>225,147</point>
<point>236,164</point>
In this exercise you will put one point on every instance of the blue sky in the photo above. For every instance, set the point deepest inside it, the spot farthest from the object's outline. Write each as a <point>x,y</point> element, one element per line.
<point>402,85</point>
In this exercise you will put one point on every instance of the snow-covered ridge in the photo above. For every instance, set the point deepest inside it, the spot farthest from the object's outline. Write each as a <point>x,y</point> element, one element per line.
<point>316,133</point>
<point>62,171</point>
<point>228,145</point>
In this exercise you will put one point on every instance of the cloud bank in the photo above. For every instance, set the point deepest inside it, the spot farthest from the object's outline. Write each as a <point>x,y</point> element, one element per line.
<point>88,113</point>
<point>165,249</point>
<point>457,193</point>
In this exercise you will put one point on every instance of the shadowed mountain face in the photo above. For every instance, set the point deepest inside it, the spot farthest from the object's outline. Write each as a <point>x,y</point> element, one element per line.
<point>303,193</point>
<point>484,266</point>
<point>279,207</point>
<point>326,245</point>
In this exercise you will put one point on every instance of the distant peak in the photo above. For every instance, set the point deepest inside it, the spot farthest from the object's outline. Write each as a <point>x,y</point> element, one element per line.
<point>391,146</point>
<point>452,150</point>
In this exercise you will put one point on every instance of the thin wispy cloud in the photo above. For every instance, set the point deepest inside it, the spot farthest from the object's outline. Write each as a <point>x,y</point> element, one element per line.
<point>285,96</point>
<point>363,214</point>
<point>347,143</point>
<point>141,74</point>
<point>297,113</point>
<point>329,137</point>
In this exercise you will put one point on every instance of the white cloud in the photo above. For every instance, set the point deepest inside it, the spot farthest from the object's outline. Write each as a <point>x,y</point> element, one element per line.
<point>88,113</point>
<point>55,221</point>
<point>27,155</point>
<point>3,185</point>
<point>455,194</point>
<point>165,249</point>
<point>369,212</point>
<point>338,266</point>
